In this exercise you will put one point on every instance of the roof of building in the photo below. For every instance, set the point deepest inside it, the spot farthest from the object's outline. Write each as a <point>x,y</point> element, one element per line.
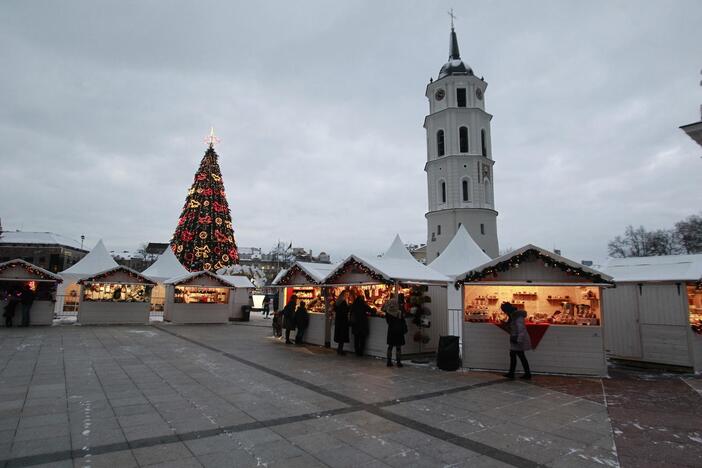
<point>694,130</point>
<point>30,268</point>
<point>460,256</point>
<point>96,261</point>
<point>223,279</point>
<point>238,281</point>
<point>653,269</point>
<point>41,238</point>
<point>100,276</point>
<point>454,66</point>
<point>166,266</point>
<point>396,264</point>
<point>315,271</point>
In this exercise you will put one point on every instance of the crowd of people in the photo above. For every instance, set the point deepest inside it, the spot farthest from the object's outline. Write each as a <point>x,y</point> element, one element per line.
<point>23,297</point>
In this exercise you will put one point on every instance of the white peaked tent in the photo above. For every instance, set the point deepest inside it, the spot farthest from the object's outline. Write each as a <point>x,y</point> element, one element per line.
<point>459,257</point>
<point>97,260</point>
<point>165,267</point>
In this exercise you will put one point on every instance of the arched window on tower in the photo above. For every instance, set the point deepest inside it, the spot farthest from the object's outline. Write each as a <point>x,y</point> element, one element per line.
<point>442,191</point>
<point>488,192</point>
<point>465,190</point>
<point>483,142</point>
<point>440,143</point>
<point>463,139</point>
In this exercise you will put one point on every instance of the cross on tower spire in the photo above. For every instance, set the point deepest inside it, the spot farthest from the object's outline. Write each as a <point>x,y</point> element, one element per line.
<point>453,17</point>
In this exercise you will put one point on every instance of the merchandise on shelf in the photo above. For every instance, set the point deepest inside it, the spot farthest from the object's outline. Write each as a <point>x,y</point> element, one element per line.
<point>201,295</point>
<point>116,292</point>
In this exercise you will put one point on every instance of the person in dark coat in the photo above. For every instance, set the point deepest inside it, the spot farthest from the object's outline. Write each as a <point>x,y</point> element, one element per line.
<point>341,322</point>
<point>302,320</point>
<point>27,299</point>
<point>519,340</point>
<point>9,312</point>
<point>397,327</point>
<point>266,306</point>
<point>360,325</point>
<point>289,317</point>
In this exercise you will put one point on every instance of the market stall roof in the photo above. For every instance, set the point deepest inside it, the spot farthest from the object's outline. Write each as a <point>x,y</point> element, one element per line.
<point>530,251</point>
<point>653,269</point>
<point>38,238</point>
<point>223,280</point>
<point>97,260</point>
<point>396,264</point>
<point>314,272</point>
<point>29,268</point>
<point>166,266</point>
<point>238,281</point>
<point>123,274</point>
<point>460,256</point>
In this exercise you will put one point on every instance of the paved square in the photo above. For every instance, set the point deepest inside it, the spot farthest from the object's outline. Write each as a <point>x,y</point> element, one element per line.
<point>231,395</point>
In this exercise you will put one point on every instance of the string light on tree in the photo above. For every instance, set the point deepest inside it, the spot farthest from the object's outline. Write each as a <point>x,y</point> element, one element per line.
<point>204,237</point>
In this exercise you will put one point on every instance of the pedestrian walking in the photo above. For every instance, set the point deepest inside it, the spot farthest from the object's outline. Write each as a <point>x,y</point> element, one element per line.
<point>302,321</point>
<point>397,327</point>
<point>519,340</point>
<point>360,326</point>
<point>341,322</point>
<point>289,317</point>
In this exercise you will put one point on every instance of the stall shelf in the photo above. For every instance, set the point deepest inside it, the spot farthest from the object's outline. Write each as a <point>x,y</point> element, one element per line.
<point>165,267</point>
<point>198,297</point>
<point>563,302</point>
<point>119,295</point>
<point>303,279</point>
<point>375,278</point>
<point>17,274</point>
<point>656,310</point>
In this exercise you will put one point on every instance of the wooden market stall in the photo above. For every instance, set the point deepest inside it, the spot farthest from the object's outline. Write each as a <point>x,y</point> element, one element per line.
<point>119,295</point>
<point>563,302</point>
<point>198,297</point>
<point>15,275</point>
<point>165,267</point>
<point>304,279</point>
<point>655,310</point>
<point>243,288</point>
<point>376,278</point>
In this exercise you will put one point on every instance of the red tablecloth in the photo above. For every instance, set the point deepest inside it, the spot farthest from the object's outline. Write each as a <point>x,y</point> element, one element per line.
<point>536,331</point>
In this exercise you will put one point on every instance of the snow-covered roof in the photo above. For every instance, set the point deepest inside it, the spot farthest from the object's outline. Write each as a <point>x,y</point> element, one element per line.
<point>224,280</point>
<point>396,264</point>
<point>280,275</point>
<point>553,257</point>
<point>166,266</point>
<point>660,268</point>
<point>96,261</point>
<point>460,256</point>
<point>30,268</point>
<point>98,277</point>
<point>43,238</point>
<point>238,281</point>
<point>316,271</point>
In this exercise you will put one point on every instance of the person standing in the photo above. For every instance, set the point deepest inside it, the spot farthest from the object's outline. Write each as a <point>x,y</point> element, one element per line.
<point>519,340</point>
<point>27,299</point>
<point>302,320</point>
<point>360,325</point>
<point>289,317</point>
<point>341,322</point>
<point>397,327</point>
<point>10,307</point>
<point>266,306</point>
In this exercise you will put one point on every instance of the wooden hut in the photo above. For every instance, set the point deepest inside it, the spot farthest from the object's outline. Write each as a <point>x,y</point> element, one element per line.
<point>18,274</point>
<point>119,295</point>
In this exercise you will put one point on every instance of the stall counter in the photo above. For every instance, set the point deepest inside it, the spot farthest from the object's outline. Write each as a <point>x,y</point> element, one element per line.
<point>376,343</point>
<point>102,313</point>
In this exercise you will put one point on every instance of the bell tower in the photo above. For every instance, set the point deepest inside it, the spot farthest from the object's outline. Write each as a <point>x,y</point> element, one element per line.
<point>459,158</point>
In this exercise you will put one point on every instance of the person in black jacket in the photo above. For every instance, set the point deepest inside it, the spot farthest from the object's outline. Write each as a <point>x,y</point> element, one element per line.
<point>27,299</point>
<point>302,320</point>
<point>341,322</point>
<point>397,327</point>
<point>289,317</point>
<point>9,313</point>
<point>360,325</point>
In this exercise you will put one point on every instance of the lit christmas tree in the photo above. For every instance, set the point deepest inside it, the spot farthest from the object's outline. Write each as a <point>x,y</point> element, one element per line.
<point>204,237</point>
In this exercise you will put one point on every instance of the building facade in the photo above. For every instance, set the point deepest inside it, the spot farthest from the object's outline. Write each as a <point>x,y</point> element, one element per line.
<point>459,158</point>
<point>47,250</point>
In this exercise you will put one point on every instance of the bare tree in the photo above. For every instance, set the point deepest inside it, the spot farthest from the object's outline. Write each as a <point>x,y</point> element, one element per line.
<point>688,233</point>
<point>638,242</point>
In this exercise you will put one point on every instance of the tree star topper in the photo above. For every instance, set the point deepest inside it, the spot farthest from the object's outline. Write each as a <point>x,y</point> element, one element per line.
<point>212,139</point>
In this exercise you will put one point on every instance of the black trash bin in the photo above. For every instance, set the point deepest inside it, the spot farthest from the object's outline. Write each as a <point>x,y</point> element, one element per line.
<point>245,313</point>
<point>447,356</point>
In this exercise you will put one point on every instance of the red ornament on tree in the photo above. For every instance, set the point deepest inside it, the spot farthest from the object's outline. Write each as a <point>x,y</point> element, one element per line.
<point>195,231</point>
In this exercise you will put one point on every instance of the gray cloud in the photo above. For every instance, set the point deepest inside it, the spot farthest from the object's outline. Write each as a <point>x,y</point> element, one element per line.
<point>320,107</point>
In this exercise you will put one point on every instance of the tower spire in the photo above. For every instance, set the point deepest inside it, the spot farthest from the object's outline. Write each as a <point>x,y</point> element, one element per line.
<point>454,53</point>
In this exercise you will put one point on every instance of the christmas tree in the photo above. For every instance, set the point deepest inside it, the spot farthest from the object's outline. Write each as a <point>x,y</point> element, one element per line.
<point>204,237</point>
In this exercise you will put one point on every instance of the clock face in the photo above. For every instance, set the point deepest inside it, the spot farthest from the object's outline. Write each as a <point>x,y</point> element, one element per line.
<point>479,94</point>
<point>439,95</point>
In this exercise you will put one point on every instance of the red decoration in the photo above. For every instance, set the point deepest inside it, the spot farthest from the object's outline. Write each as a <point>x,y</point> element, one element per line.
<point>219,208</point>
<point>181,221</point>
<point>204,219</point>
<point>207,192</point>
<point>201,176</point>
<point>536,331</point>
<point>186,236</point>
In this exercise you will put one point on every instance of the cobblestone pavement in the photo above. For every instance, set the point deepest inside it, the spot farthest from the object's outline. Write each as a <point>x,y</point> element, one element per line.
<point>231,395</point>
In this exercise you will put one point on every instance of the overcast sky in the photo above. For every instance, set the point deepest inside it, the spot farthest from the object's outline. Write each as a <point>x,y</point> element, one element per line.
<point>319,105</point>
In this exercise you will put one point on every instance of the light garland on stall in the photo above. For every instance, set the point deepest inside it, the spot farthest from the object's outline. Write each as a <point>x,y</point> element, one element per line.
<point>529,256</point>
<point>353,264</point>
<point>29,268</point>
<point>294,269</point>
<point>105,274</point>
<point>212,275</point>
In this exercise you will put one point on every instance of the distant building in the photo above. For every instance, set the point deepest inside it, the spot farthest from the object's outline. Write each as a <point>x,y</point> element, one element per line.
<point>419,252</point>
<point>271,262</point>
<point>47,250</point>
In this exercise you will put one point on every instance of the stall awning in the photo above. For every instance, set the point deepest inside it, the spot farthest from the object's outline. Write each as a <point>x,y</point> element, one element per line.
<point>118,275</point>
<point>30,271</point>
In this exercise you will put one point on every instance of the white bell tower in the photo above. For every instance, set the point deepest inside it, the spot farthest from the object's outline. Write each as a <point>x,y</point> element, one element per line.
<point>459,158</point>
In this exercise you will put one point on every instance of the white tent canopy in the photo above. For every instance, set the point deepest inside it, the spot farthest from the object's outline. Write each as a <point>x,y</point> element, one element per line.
<point>460,256</point>
<point>660,268</point>
<point>97,260</point>
<point>316,271</point>
<point>165,267</point>
<point>397,264</point>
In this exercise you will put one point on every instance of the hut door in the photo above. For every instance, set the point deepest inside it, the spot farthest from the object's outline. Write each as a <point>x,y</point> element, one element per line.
<point>664,324</point>
<point>621,322</point>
